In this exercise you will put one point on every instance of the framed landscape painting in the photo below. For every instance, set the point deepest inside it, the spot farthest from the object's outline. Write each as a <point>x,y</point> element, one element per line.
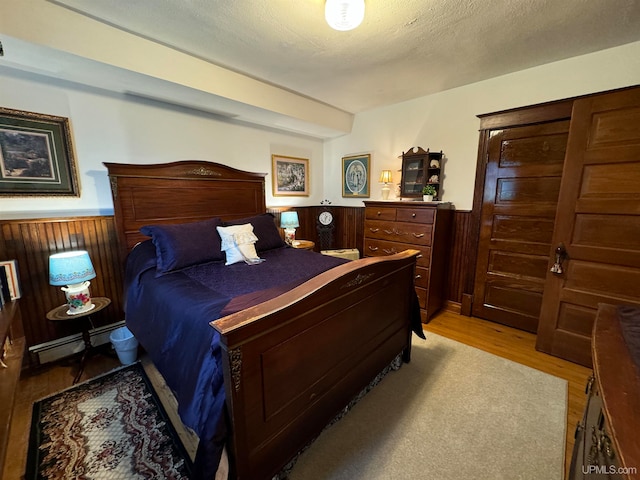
<point>356,176</point>
<point>36,155</point>
<point>290,176</point>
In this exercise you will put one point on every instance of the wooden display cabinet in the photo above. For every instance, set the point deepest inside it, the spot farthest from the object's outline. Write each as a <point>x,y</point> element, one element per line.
<point>419,168</point>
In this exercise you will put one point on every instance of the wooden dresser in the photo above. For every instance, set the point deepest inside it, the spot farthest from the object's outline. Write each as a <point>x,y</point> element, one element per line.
<point>392,227</point>
<point>607,443</point>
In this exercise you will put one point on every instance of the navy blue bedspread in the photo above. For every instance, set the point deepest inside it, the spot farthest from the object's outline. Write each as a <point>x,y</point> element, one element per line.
<point>170,315</point>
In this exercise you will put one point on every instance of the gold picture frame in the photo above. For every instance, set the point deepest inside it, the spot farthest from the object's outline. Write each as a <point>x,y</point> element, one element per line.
<point>290,176</point>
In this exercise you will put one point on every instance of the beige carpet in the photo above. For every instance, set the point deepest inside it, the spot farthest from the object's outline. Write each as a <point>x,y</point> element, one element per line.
<point>454,412</point>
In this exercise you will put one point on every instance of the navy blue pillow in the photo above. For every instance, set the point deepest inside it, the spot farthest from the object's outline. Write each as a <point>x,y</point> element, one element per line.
<point>264,227</point>
<point>182,245</point>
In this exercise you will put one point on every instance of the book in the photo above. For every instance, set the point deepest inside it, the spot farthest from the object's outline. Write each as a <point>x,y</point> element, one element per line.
<point>10,269</point>
<point>5,295</point>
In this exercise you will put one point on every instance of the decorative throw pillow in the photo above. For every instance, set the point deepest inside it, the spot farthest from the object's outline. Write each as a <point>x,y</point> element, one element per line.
<point>265,228</point>
<point>238,243</point>
<point>182,245</point>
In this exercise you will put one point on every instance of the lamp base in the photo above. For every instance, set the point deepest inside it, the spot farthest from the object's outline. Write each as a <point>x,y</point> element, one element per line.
<point>289,235</point>
<point>78,298</point>
<point>385,192</point>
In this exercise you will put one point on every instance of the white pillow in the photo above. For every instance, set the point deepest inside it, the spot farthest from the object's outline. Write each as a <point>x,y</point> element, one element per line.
<point>238,243</point>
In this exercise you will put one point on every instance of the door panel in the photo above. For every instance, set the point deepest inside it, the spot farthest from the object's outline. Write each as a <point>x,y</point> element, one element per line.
<point>521,188</point>
<point>598,221</point>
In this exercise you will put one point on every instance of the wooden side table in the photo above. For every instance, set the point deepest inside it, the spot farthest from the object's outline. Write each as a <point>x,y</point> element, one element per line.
<point>303,244</point>
<point>60,314</point>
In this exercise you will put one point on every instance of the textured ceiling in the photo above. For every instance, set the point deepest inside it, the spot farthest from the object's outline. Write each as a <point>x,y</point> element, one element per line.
<point>404,49</point>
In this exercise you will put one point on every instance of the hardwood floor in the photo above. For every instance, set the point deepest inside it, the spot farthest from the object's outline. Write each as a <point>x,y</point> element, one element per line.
<point>500,340</point>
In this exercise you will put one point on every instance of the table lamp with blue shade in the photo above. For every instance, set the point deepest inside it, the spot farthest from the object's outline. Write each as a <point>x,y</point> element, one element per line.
<point>72,271</point>
<point>289,221</point>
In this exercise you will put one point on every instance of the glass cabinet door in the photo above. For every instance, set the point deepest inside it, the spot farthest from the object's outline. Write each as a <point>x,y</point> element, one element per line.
<point>412,177</point>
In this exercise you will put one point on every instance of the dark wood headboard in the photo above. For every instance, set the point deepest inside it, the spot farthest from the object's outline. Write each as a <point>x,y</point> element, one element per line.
<point>179,192</point>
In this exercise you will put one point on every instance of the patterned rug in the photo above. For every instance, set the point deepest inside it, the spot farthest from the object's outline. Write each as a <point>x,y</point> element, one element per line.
<point>111,427</point>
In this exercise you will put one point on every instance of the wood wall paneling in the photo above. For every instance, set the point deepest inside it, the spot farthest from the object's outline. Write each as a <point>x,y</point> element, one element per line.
<point>349,225</point>
<point>461,262</point>
<point>30,242</point>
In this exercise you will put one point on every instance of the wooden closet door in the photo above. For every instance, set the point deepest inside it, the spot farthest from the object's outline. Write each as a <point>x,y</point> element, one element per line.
<point>521,188</point>
<point>598,222</point>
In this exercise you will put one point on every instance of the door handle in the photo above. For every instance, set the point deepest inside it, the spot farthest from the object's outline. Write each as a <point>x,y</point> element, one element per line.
<point>561,255</point>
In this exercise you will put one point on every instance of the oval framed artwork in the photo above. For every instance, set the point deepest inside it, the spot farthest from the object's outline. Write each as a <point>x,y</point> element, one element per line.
<point>356,176</point>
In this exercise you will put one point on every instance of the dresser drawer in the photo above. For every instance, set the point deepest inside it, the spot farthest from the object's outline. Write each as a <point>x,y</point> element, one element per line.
<point>380,213</point>
<point>411,233</point>
<point>415,215</point>
<point>377,248</point>
<point>422,277</point>
<point>384,230</point>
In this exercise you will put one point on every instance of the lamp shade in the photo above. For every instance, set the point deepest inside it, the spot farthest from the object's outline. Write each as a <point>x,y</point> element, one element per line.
<point>385,176</point>
<point>289,220</point>
<point>344,15</point>
<point>69,268</point>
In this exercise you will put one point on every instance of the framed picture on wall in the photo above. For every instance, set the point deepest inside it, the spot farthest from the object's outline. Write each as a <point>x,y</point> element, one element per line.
<point>356,176</point>
<point>36,155</point>
<point>290,176</point>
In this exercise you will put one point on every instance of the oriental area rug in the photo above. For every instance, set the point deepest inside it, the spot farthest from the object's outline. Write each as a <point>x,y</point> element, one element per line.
<point>111,427</point>
<point>455,412</point>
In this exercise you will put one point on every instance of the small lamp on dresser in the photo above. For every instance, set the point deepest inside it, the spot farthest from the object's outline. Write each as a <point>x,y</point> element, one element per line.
<point>385,179</point>
<point>72,271</point>
<point>289,221</point>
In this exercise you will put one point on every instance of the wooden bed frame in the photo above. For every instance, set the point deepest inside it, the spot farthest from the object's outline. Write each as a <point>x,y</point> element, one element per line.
<point>291,364</point>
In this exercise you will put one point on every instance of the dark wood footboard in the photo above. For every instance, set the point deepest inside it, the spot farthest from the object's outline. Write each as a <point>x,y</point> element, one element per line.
<point>292,363</point>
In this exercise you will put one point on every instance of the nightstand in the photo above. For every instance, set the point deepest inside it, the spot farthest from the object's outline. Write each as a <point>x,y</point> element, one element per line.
<point>60,314</point>
<point>303,244</point>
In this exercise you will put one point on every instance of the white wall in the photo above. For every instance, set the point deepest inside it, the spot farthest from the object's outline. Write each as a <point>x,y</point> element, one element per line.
<point>448,121</point>
<point>108,127</point>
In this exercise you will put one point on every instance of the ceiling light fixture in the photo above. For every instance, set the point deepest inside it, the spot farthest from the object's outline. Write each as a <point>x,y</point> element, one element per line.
<point>344,15</point>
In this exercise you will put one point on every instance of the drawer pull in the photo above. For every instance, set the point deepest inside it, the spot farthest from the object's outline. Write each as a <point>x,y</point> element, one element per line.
<point>379,213</point>
<point>418,276</point>
<point>419,255</point>
<point>413,215</point>
<point>374,230</point>
<point>389,251</point>
<point>373,249</point>
<point>418,235</point>
<point>388,232</point>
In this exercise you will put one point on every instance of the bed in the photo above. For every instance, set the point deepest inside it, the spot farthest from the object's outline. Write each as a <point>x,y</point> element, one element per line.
<point>289,354</point>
